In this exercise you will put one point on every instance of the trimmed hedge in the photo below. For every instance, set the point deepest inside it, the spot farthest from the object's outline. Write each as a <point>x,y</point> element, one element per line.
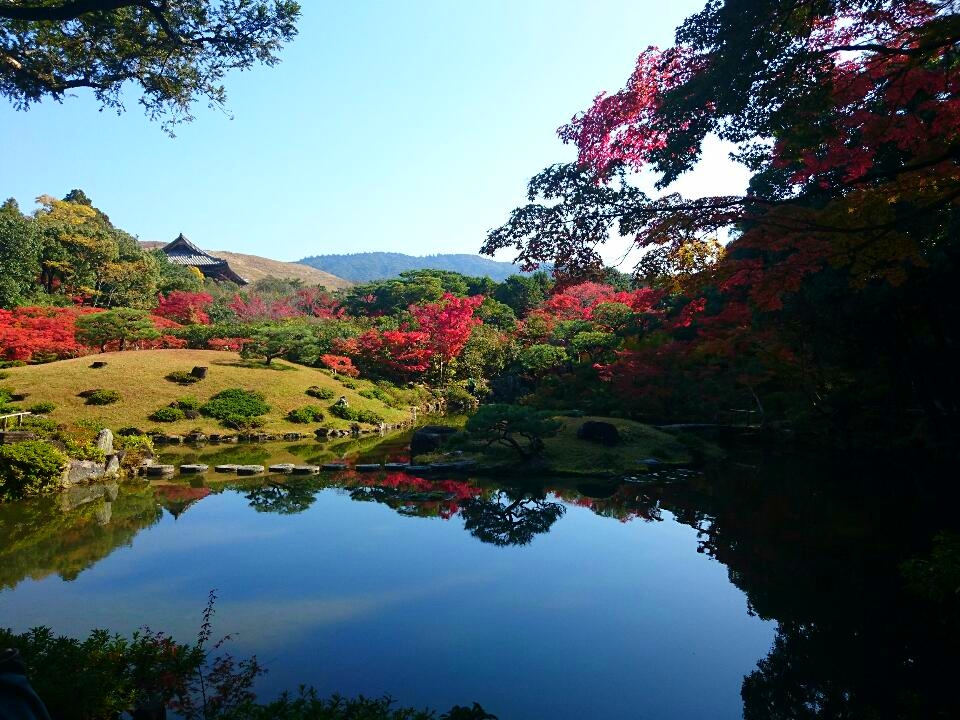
<point>306,414</point>
<point>234,402</point>
<point>345,412</point>
<point>321,393</point>
<point>42,408</point>
<point>166,414</point>
<point>30,468</point>
<point>103,397</point>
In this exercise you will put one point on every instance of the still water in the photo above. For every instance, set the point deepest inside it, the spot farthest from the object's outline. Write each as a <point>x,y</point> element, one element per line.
<point>547,600</point>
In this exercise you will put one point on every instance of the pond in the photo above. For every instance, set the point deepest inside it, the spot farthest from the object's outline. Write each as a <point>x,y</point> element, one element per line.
<point>654,599</point>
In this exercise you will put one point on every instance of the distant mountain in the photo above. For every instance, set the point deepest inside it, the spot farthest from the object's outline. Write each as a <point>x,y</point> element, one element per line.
<point>364,267</point>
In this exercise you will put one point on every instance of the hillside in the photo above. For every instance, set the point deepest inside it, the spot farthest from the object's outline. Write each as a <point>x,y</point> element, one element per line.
<point>254,267</point>
<point>139,377</point>
<point>364,267</point>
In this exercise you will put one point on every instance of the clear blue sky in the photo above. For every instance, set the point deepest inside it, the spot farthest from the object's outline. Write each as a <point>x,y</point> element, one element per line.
<point>398,126</point>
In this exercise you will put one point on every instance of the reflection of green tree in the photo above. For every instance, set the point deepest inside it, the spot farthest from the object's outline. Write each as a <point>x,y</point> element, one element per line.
<point>49,535</point>
<point>509,516</point>
<point>824,560</point>
<point>287,498</point>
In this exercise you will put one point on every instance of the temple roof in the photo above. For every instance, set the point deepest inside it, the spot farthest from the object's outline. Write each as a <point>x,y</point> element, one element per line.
<point>183,252</point>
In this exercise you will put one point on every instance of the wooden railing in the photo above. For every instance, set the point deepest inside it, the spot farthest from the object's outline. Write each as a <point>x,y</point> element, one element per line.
<point>4,419</point>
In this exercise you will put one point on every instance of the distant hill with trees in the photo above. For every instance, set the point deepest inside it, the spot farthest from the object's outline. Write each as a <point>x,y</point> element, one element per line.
<point>365,267</point>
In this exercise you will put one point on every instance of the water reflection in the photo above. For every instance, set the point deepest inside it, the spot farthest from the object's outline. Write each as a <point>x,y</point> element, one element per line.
<point>510,516</point>
<point>65,535</point>
<point>810,548</point>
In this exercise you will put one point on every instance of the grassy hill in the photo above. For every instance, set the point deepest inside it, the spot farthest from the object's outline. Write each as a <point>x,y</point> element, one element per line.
<point>139,377</point>
<point>364,267</point>
<point>254,267</point>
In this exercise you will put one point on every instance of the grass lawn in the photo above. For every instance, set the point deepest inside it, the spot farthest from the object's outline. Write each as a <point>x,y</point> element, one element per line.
<point>139,377</point>
<point>566,454</point>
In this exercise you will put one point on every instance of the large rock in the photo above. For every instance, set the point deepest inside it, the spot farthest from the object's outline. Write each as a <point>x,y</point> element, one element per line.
<point>599,432</point>
<point>430,438</point>
<point>105,441</point>
<point>81,471</point>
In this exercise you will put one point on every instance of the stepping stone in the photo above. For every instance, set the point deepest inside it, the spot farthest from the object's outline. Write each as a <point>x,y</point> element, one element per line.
<point>306,469</point>
<point>249,469</point>
<point>395,466</point>
<point>368,467</point>
<point>416,468</point>
<point>160,470</point>
<point>197,468</point>
<point>282,468</point>
<point>226,468</point>
<point>334,466</point>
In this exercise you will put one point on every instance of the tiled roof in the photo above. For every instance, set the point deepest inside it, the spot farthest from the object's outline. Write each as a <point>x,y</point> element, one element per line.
<point>196,260</point>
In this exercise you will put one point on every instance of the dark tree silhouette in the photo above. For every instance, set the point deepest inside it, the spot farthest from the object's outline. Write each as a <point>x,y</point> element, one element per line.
<point>509,517</point>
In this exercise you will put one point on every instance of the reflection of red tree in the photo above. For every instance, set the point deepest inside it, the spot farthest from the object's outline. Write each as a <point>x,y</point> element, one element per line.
<point>427,497</point>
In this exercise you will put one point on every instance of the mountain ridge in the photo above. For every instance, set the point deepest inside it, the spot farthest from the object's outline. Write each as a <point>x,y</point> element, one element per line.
<point>370,266</point>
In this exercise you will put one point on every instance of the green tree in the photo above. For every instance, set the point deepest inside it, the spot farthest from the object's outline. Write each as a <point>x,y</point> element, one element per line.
<point>121,325</point>
<point>518,427</point>
<point>19,256</point>
<point>523,292</point>
<point>498,314</point>
<point>277,341</point>
<point>542,358</point>
<point>174,52</point>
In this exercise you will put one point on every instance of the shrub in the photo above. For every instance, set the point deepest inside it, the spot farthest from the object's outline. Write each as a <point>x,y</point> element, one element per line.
<point>355,415</point>
<point>459,398</point>
<point>182,377</point>
<point>12,363</point>
<point>84,450</point>
<point>376,394</point>
<point>4,375</point>
<point>128,431</point>
<point>235,402</point>
<point>166,414</point>
<point>137,447</point>
<point>321,393</point>
<point>242,422</point>
<point>30,468</point>
<point>103,397</point>
<point>306,414</point>
<point>42,408</point>
<point>40,426</point>
<point>349,384</point>
<point>187,403</point>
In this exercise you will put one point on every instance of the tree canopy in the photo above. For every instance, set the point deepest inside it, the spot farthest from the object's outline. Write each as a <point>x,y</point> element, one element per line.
<point>174,52</point>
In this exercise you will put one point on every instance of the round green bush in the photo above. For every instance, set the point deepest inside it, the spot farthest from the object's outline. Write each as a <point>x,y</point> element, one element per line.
<point>167,414</point>
<point>354,415</point>
<point>188,403</point>
<point>30,468</point>
<point>321,393</point>
<point>306,414</point>
<point>103,397</point>
<point>42,408</point>
<point>235,402</point>
<point>375,394</point>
